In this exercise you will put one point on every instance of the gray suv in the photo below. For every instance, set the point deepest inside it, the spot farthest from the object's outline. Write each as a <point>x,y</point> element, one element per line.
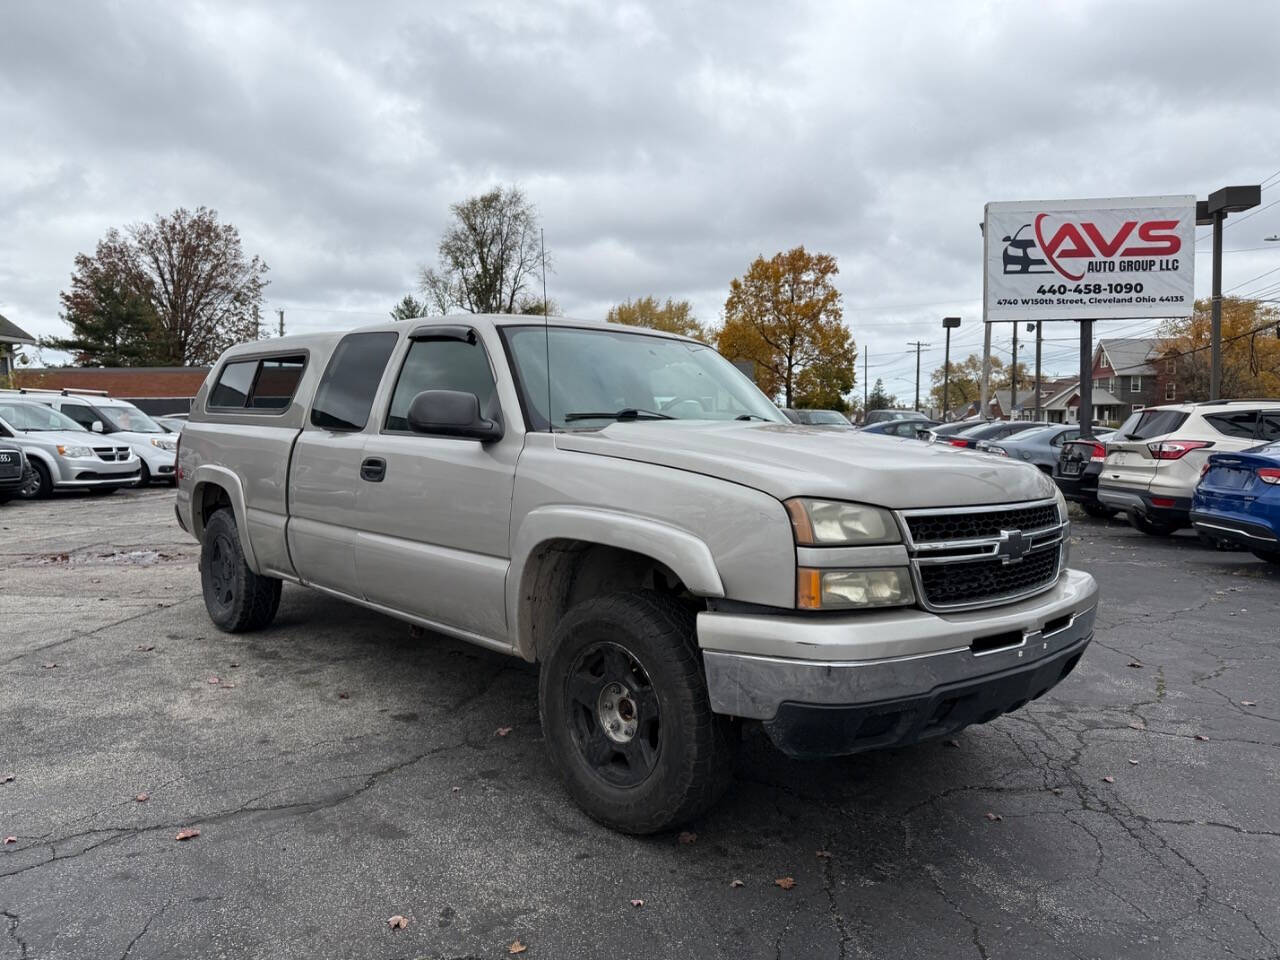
<point>625,509</point>
<point>63,455</point>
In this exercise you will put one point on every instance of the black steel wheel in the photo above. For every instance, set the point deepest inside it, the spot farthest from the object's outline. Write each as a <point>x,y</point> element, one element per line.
<point>626,717</point>
<point>236,598</point>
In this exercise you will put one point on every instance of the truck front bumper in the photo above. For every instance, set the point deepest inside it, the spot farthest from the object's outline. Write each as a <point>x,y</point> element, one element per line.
<point>827,686</point>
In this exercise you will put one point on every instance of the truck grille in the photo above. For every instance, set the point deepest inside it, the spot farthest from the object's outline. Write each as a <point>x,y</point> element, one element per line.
<point>972,526</point>
<point>10,464</point>
<point>954,584</point>
<point>963,559</point>
<point>112,454</point>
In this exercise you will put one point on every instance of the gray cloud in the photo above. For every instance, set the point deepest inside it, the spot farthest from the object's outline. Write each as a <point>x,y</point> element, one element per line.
<point>666,145</point>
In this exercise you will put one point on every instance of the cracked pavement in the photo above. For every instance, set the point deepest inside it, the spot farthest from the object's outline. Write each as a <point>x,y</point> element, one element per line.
<point>341,771</point>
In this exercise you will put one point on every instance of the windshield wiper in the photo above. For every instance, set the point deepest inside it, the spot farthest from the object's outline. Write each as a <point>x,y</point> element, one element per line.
<point>751,416</point>
<point>626,413</point>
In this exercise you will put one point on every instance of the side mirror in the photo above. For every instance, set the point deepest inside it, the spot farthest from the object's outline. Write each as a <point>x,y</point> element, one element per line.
<point>96,426</point>
<point>451,413</point>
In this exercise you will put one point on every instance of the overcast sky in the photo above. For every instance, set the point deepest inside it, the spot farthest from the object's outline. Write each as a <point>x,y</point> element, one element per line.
<point>664,147</point>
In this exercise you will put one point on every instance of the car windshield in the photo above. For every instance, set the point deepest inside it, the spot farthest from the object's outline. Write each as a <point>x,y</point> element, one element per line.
<point>37,418</point>
<point>599,376</point>
<point>973,430</point>
<point>129,418</point>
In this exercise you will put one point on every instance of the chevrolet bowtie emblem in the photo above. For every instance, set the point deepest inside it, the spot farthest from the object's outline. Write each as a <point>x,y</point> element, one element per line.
<point>1013,546</point>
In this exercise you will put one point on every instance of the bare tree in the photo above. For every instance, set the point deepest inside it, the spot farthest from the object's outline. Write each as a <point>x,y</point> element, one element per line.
<point>489,256</point>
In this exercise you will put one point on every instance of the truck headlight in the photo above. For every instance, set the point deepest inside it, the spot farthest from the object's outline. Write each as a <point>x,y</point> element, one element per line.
<point>828,523</point>
<point>818,589</point>
<point>164,444</point>
<point>73,451</point>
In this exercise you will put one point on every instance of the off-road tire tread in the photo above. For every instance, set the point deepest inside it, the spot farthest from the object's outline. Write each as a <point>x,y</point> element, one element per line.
<point>706,767</point>
<point>257,597</point>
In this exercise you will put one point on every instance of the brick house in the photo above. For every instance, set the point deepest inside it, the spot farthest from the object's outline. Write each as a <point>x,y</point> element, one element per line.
<point>1127,375</point>
<point>156,390</point>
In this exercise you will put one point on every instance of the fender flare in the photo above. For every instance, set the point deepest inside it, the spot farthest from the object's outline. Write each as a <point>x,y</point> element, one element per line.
<point>47,461</point>
<point>687,556</point>
<point>208,474</point>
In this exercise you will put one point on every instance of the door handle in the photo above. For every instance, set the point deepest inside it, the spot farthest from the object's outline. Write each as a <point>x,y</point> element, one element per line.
<point>373,469</point>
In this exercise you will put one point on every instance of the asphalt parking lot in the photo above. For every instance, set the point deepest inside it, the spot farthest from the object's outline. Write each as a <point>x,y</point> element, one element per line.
<point>342,771</point>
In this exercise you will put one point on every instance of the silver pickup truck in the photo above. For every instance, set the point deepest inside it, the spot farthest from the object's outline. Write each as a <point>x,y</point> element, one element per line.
<point>627,510</point>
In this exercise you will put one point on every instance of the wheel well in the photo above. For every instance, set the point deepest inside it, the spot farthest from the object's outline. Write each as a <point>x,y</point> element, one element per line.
<point>208,498</point>
<point>562,573</point>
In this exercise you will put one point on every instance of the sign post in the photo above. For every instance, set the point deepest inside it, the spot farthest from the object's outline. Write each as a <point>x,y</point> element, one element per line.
<point>1086,260</point>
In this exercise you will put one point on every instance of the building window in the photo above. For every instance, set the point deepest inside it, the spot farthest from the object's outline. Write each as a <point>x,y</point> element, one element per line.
<point>1170,390</point>
<point>1138,406</point>
<point>1135,384</point>
<point>1171,366</point>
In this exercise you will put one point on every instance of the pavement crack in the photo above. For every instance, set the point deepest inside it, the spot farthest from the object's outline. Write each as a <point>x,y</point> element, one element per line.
<point>143,932</point>
<point>13,921</point>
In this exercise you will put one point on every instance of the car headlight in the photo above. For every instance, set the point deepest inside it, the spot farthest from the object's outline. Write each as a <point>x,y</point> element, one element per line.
<point>827,523</point>
<point>73,451</point>
<point>164,444</point>
<point>842,589</point>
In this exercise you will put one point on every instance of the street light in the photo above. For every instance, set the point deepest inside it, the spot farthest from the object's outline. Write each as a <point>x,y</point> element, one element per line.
<point>1214,211</point>
<point>948,324</point>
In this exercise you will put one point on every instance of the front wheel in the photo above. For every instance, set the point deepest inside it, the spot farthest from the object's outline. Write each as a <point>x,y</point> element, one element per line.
<point>1153,528</point>
<point>36,483</point>
<point>144,478</point>
<point>237,598</point>
<point>626,717</point>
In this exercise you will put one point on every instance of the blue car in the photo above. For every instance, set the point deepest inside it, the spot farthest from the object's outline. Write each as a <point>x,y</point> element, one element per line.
<point>1238,500</point>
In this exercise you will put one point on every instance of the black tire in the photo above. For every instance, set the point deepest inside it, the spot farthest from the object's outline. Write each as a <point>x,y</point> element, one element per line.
<point>1098,511</point>
<point>102,491</point>
<point>677,759</point>
<point>6,496</point>
<point>1271,556</point>
<point>1153,528</point>
<point>37,484</point>
<point>237,598</point>
<point>144,478</point>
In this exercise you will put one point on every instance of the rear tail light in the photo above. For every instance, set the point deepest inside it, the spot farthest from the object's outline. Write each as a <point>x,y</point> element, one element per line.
<point>958,443</point>
<point>1269,474</point>
<point>1098,454</point>
<point>1162,502</point>
<point>1175,449</point>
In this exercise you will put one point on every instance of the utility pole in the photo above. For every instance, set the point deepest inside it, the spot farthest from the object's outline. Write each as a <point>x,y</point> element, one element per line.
<point>1039,392</point>
<point>1013,378</point>
<point>865,354</point>
<point>984,394</point>
<point>281,312</point>
<point>917,344</point>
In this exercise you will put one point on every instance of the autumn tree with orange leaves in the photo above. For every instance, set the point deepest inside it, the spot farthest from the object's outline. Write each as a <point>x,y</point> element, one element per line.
<point>784,315</point>
<point>1250,350</point>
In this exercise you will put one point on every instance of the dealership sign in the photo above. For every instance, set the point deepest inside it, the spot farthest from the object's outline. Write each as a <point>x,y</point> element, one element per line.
<point>1090,259</point>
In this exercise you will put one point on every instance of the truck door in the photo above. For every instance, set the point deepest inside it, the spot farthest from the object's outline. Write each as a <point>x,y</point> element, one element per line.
<point>324,476</point>
<point>435,511</point>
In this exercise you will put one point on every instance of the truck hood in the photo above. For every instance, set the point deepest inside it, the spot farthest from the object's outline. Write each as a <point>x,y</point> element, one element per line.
<point>793,460</point>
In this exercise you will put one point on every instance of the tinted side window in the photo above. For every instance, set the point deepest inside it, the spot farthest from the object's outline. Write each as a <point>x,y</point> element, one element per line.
<point>234,382</point>
<point>80,413</point>
<point>1243,423</point>
<point>1151,423</point>
<point>440,365</point>
<point>346,393</point>
<point>277,380</point>
<point>1270,425</point>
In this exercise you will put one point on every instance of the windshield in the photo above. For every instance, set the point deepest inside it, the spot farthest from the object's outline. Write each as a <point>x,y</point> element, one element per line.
<point>36,417</point>
<point>598,376</point>
<point>129,418</point>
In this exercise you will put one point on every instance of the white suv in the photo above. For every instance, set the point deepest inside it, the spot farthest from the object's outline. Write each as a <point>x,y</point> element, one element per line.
<point>1154,460</point>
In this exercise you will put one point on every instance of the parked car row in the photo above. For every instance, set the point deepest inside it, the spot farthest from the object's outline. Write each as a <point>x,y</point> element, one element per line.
<point>78,441</point>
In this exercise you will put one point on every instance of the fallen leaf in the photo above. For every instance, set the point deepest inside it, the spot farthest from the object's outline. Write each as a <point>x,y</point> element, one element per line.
<point>502,732</point>
<point>993,817</point>
<point>1135,664</point>
<point>233,665</point>
<point>189,834</point>
<point>143,797</point>
<point>1108,779</point>
<point>517,947</point>
<point>6,777</point>
<point>687,837</point>
<point>456,789</point>
<point>145,647</point>
<point>736,883</point>
<point>397,922</point>
<point>1137,725</point>
<point>48,666</point>
<point>344,695</point>
<point>212,680</point>
<point>10,839</point>
<point>822,854</point>
<point>1201,736</point>
<point>1132,761</point>
<point>786,883</point>
<point>228,686</point>
<point>1248,703</point>
<point>637,903</point>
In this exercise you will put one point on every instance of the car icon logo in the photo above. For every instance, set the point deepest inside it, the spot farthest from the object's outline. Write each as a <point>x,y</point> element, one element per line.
<point>1017,254</point>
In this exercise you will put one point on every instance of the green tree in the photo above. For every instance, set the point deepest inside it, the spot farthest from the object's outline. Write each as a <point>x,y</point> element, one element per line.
<point>966,381</point>
<point>489,256</point>
<point>880,399</point>
<point>784,314</point>
<point>673,316</point>
<point>408,308</point>
<point>113,323</point>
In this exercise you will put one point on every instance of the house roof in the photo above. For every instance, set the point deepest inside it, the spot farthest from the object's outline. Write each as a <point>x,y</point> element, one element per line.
<point>1063,398</point>
<point>10,332</point>
<point>1131,356</point>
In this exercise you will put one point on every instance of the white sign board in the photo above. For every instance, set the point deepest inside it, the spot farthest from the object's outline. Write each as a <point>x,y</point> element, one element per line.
<point>1090,259</point>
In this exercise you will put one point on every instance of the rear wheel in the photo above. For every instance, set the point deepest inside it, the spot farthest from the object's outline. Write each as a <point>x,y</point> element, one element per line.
<point>144,478</point>
<point>237,598</point>
<point>626,717</point>
<point>1271,556</point>
<point>36,484</point>
<point>1098,510</point>
<point>1154,528</point>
